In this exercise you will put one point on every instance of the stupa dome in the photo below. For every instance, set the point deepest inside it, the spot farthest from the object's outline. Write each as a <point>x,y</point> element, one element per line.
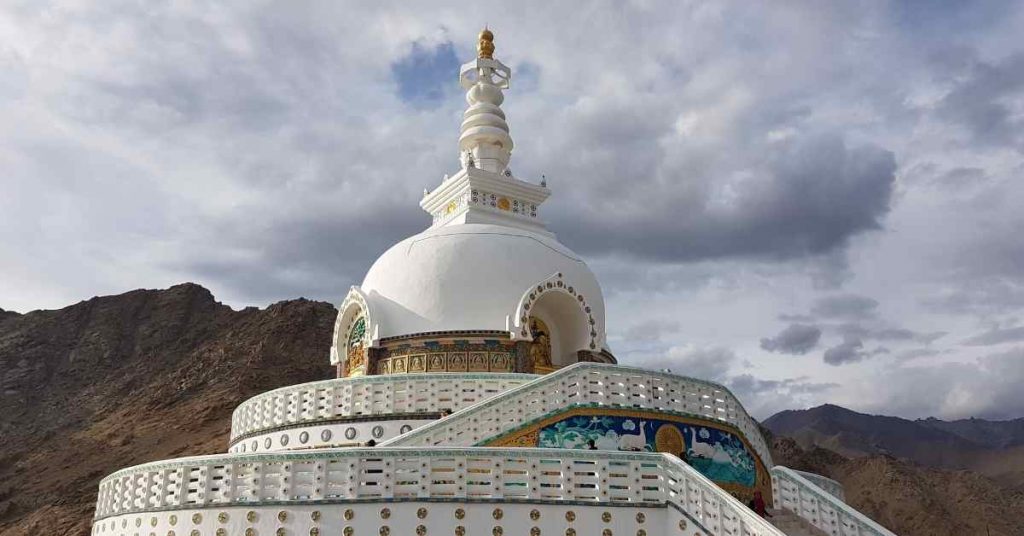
<point>479,277</point>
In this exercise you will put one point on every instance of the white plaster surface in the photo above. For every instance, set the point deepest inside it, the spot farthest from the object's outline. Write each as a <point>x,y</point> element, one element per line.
<point>470,277</point>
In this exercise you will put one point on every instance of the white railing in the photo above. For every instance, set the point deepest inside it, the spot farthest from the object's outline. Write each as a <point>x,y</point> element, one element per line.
<point>589,384</point>
<point>388,474</point>
<point>367,395</point>
<point>825,483</point>
<point>819,507</point>
<point>718,511</point>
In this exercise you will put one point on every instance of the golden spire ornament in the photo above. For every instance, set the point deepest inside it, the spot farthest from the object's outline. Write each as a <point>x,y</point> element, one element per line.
<point>485,47</point>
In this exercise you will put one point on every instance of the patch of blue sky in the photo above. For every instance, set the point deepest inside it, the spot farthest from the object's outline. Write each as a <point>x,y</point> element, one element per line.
<point>425,77</point>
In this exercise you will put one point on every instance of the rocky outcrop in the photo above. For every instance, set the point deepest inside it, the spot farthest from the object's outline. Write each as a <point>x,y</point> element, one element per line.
<point>910,499</point>
<point>119,380</point>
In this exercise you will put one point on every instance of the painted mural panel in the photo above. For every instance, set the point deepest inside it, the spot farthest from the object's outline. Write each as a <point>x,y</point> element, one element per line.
<point>718,454</point>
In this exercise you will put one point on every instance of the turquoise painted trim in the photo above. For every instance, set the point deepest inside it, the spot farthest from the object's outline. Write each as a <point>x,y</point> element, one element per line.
<point>381,452</point>
<point>823,495</point>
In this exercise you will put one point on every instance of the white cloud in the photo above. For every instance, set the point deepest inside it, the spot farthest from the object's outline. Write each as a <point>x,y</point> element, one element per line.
<point>719,163</point>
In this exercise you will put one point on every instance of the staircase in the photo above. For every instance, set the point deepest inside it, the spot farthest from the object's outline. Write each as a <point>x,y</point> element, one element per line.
<point>792,524</point>
<point>806,506</point>
<point>588,385</point>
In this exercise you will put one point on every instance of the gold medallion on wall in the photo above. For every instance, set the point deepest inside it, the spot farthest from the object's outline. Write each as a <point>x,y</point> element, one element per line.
<point>669,439</point>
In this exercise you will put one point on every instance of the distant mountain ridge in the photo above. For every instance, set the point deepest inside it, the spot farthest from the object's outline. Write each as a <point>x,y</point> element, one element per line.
<point>992,448</point>
<point>992,434</point>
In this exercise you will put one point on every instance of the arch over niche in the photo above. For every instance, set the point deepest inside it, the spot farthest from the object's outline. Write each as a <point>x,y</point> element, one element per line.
<point>353,335</point>
<point>553,314</point>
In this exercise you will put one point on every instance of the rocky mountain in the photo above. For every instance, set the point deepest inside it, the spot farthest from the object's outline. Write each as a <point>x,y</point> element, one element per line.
<point>992,448</point>
<point>993,434</point>
<point>153,374</point>
<point>120,380</point>
<point>910,499</point>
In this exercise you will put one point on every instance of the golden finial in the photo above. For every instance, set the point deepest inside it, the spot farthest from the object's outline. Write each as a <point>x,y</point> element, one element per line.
<point>485,47</point>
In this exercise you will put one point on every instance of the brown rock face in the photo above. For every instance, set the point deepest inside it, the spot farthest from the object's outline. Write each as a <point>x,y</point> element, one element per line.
<point>910,499</point>
<point>121,380</point>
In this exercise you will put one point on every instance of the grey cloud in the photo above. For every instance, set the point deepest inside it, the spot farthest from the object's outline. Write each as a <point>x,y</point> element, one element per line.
<point>982,101</point>
<point>853,330</point>
<point>917,353</point>
<point>937,389</point>
<point>795,318</point>
<point>845,306</point>
<point>996,336</point>
<point>976,295</point>
<point>703,363</point>
<point>796,339</point>
<point>962,176</point>
<point>809,198</point>
<point>851,351</point>
<point>651,331</point>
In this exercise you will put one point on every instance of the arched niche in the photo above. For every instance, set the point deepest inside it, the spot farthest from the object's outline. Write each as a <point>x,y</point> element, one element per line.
<point>552,314</point>
<point>352,336</point>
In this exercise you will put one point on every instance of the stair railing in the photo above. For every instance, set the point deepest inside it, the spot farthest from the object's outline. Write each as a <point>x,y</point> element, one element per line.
<point>820,508</point>
<point>588,384</point>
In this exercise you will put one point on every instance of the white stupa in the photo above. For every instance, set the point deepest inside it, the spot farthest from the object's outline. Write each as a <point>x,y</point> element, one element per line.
<point>476,395</point>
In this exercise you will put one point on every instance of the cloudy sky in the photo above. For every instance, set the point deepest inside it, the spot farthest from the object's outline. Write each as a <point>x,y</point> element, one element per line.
<point>809,201</point>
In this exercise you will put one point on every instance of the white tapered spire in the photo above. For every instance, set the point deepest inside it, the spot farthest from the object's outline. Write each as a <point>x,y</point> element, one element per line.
<point>485,191</point>
<point>485,142</point>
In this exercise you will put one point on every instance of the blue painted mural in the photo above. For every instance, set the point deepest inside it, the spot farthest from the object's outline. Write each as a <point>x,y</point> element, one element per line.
<point>717,454</point>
